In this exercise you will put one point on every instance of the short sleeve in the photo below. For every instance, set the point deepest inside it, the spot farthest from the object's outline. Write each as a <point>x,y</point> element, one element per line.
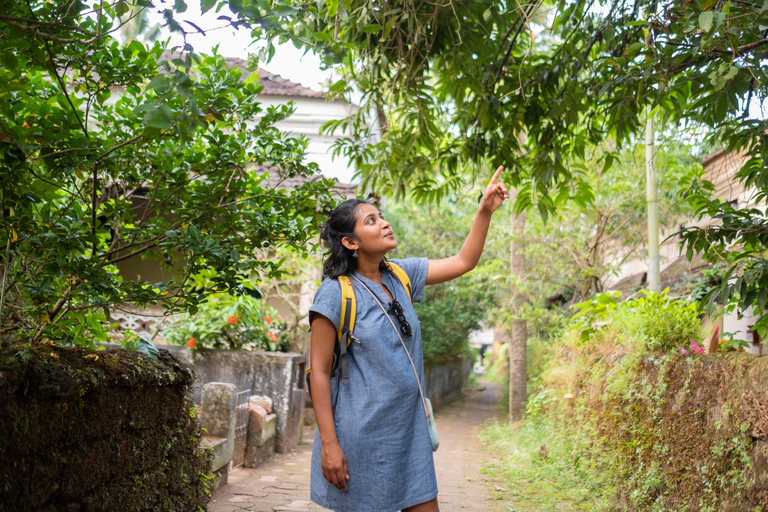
<point>327,302</point>
<point>416,268</point>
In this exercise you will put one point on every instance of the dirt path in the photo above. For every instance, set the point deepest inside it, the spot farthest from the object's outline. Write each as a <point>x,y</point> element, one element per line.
<point>282,484</point>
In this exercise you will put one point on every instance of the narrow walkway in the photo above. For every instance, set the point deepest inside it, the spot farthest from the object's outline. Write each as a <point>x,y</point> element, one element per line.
<point>282,484</point>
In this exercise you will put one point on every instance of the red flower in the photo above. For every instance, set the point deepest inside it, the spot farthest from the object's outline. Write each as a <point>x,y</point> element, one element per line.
<point>191,342</point>
<point>232,319</point>
<point>273,337</point>
<point>268,319</point>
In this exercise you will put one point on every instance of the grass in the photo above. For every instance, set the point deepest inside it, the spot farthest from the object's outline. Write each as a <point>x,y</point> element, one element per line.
<point>568,478</point>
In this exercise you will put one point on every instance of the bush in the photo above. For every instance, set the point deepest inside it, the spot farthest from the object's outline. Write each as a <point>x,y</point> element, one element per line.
<point>231,320</point>
<point>234,322</point>
<point>448,314</point>
<point>650,323</point>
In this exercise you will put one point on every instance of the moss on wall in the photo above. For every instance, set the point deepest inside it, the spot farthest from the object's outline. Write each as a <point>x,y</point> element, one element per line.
<point>685,433</point>
<point>97,431</point>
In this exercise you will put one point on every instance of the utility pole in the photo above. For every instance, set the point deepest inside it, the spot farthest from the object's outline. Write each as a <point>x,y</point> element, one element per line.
<point>519,334</point>
<point>652,197</point>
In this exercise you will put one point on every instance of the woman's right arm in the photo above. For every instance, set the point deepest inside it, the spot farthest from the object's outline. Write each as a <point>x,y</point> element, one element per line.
<point>322,343</point>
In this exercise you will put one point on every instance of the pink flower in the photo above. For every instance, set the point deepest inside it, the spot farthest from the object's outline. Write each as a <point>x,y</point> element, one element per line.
<point>696,348</point>
<point>681,349</point>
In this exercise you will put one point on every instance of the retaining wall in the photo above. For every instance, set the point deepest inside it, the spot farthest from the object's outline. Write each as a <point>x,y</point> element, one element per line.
<point>277,375</point>
<point>445,378</point>
<point>684,432</point>
<point>87,430</point>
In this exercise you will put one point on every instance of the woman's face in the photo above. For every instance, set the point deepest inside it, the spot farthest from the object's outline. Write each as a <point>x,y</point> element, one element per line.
<point>374,234</point>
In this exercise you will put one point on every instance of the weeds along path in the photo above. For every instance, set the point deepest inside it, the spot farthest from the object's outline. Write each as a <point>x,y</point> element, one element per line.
<point>282,484</point>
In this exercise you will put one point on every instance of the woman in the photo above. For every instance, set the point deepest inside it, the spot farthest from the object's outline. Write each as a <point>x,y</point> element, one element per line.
<point>372,450</point>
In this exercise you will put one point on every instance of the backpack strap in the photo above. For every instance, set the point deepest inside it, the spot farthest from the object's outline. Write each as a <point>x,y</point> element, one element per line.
<point>403,277</point>
<point>348,308</point>
<point>346,324</point>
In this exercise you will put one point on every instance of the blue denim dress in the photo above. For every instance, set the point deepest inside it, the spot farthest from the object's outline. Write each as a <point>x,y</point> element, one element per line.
<point>380,421</point>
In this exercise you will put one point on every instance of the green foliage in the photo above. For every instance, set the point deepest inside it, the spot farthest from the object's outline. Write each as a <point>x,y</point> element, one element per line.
<point>448,315</point>
<point>116,153</point>
<point>234,321</point>
<point>595,312</point>
<point>534,86</point>
<point>650,323</point>
<point>498,372</point>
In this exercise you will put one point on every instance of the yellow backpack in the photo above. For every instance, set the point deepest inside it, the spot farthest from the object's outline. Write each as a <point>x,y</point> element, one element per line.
<point>344,335</point>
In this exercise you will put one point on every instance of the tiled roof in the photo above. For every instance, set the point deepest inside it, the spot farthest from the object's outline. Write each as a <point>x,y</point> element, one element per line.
<point>274,85</point>
<point>279,181</point>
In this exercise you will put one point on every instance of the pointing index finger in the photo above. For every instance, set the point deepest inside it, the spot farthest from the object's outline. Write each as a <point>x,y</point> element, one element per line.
<point>496,175</point>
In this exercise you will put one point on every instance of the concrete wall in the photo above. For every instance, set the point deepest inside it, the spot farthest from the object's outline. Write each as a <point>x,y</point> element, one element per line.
<point>276,375</point>
<point>445,378</point>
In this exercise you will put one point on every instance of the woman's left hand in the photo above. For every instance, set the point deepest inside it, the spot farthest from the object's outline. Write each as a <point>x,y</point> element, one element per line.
<point>494,194</point>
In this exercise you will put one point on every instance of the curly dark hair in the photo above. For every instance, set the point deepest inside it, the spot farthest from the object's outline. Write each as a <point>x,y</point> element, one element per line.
<point>340,224</point>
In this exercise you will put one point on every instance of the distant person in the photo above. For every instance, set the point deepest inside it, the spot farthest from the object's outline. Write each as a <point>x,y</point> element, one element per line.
<point>372,449</point>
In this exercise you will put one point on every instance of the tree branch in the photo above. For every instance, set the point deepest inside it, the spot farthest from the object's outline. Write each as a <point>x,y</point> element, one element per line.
<point>677,68</point>
<point>55,73</point>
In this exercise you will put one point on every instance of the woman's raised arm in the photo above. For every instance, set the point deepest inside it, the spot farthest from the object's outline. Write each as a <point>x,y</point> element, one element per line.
<point>440,271</point>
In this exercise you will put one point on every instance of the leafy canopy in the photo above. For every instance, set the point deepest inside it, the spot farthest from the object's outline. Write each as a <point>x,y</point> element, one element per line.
<point>114,153</point>
<point>533,86</point>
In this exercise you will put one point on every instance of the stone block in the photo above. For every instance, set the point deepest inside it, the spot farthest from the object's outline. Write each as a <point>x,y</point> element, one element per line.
<point>268,429</point>
<point>258,455</point>
<point>221,452</point>
<point>256,416</point>
<point>219,416</point>
<point>263,401</point>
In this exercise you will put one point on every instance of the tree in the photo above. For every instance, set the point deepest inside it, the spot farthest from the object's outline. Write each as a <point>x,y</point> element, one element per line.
<point>532,93</point>
<point>109,153</point>
<point>535,86</point>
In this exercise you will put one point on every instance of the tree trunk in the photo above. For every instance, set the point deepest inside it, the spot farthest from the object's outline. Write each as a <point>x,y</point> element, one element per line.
<point>519,335</point>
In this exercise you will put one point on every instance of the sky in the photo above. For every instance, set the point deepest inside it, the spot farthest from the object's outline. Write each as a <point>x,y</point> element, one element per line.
<point>289,62</point>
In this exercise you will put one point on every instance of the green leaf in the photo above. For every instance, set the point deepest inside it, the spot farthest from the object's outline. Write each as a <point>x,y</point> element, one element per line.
<point>207,5</point>
<point>145,345</point>
<point>705,20</point>
<point>719,17</point>
<point>339,86</point>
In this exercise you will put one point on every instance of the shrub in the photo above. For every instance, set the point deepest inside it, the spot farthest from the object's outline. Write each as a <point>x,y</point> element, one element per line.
<point>654,323</point>
<point>234,321</point>
<point>650,323</point>
<point>447,315</point>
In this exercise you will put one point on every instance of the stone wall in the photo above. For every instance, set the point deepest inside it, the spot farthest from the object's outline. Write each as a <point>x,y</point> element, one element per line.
<point>684,432</point>
<point>93,431</point>
<point>446,377</point>
<point>276,375</point>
